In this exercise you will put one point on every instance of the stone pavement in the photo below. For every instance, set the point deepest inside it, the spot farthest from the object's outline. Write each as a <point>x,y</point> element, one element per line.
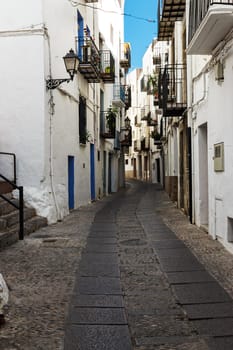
<point>127,272</point>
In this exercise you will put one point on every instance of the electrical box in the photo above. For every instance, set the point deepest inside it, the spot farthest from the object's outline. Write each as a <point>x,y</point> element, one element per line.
<point>219,157</point>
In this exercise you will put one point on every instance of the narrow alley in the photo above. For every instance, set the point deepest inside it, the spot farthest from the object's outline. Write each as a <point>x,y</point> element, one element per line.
<point>127,272</point>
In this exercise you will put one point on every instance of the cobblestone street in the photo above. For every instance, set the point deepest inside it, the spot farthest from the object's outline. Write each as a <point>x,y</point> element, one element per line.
<point>126,272</point>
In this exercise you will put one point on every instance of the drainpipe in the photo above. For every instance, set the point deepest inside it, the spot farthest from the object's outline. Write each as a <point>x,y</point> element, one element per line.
<point>51,116</point>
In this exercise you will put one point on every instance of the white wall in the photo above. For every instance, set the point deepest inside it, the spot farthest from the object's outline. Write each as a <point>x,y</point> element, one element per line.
<point>216,110</point>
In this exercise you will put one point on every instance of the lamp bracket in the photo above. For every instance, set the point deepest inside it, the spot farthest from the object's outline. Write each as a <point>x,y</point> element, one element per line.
<point>54,83</point>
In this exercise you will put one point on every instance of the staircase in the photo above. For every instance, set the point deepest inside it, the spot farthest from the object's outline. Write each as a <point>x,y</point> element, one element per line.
<point>9,221</point>
<point>16,220</point>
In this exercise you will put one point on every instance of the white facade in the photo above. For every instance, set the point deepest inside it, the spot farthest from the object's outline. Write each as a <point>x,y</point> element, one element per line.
<point>210,116</point>
<point>41,126</point>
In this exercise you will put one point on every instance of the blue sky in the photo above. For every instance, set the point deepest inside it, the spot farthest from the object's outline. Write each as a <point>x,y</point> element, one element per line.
<point>140,32</point>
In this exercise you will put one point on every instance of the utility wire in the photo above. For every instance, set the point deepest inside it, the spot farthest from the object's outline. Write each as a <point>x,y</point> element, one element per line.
<point>75,3</point>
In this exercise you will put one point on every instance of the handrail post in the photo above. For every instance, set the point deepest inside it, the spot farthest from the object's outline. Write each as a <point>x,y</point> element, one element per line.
<point>21,214</point>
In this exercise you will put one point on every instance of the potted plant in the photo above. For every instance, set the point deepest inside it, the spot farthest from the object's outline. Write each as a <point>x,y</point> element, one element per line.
<point>111,119</point>
<point>152,84</point>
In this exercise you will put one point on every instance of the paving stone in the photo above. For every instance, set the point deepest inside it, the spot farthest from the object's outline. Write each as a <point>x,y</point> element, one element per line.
<point>103,337</point>
<point>133,242</point>
<point>103,234</point>
<point>198,293</point>
<point>180,264</point>
<point>98,285</point>
<point>95,270</point>
<point>183,252</point>
<point>97,316</point>
<point>101,240</point>
<point>159,236</point>
<point>213,310</point>
<point>95,258</point>
<point>97,300</point>
<point>167,244</point>
<point>173,340</point>
<point>136,250</point>
<point>220,343</point>
<point>215,327</point>
<point>101,248</point>
<point>103,227</point>
<point>189,277</point>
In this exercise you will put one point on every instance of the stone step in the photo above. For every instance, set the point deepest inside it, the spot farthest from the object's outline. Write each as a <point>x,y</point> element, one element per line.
<point>11,236</point>
<point>5,187</point>
<point>6,208</point>
<point>12,218</point>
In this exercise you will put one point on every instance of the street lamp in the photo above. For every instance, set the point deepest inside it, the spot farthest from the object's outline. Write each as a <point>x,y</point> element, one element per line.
<point>127,123</point>
<point>71,63</point>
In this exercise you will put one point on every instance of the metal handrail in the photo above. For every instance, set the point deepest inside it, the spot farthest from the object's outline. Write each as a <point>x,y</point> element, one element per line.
<point>20,207</point>
<point>14,160</point>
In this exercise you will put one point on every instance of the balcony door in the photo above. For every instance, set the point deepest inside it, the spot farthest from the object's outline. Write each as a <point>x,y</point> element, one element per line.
<point>80,35</point>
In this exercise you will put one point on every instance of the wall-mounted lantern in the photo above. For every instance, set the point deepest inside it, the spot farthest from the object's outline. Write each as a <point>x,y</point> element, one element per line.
<point>71,63</point>
<point>125,135</point>
<point>127,123</point>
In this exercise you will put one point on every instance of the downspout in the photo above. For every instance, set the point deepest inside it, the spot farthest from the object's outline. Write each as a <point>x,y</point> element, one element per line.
<point>51,114</point>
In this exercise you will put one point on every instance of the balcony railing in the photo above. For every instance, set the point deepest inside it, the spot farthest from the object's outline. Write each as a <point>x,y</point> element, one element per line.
<point>89,59</point>
<point>107,66</point>
<point>118,95</point>
<point>117,143</point>
<point>168,13</point>
<point>209,22</point>
<point>145,144</point>
<point>137,145</point>
<point>127,96</point>
<point>125,60</point>
<point>172,90</point>
<point>107,129</point>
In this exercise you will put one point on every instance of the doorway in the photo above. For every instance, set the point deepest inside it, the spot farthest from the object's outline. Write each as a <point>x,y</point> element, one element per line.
<point>203,174</point>
<point>92,172</point>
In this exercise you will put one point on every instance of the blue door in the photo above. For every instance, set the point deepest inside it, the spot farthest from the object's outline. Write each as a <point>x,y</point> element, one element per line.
<point>92,166</point>
<point>71,181</point>
<point>80,35</point>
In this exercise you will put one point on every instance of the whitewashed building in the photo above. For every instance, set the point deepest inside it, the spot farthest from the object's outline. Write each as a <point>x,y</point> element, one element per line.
<point>145,161</point>
<point>210,62</point>
<point>65,155</point>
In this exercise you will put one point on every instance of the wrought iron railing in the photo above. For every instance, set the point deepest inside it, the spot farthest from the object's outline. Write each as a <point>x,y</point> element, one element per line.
<point>125,59</point>
<point>89,58</point>
<point>127,96</point>
<point>198,10</point>
<point>172,89</point>
<point>13,185</point>
<point>118,92</point>
<point>107,66</point>
<point>107,126</point>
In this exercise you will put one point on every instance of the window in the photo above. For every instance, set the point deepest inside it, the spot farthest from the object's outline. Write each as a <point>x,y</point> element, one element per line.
<point>126,162</point>
<point>82,120</point>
